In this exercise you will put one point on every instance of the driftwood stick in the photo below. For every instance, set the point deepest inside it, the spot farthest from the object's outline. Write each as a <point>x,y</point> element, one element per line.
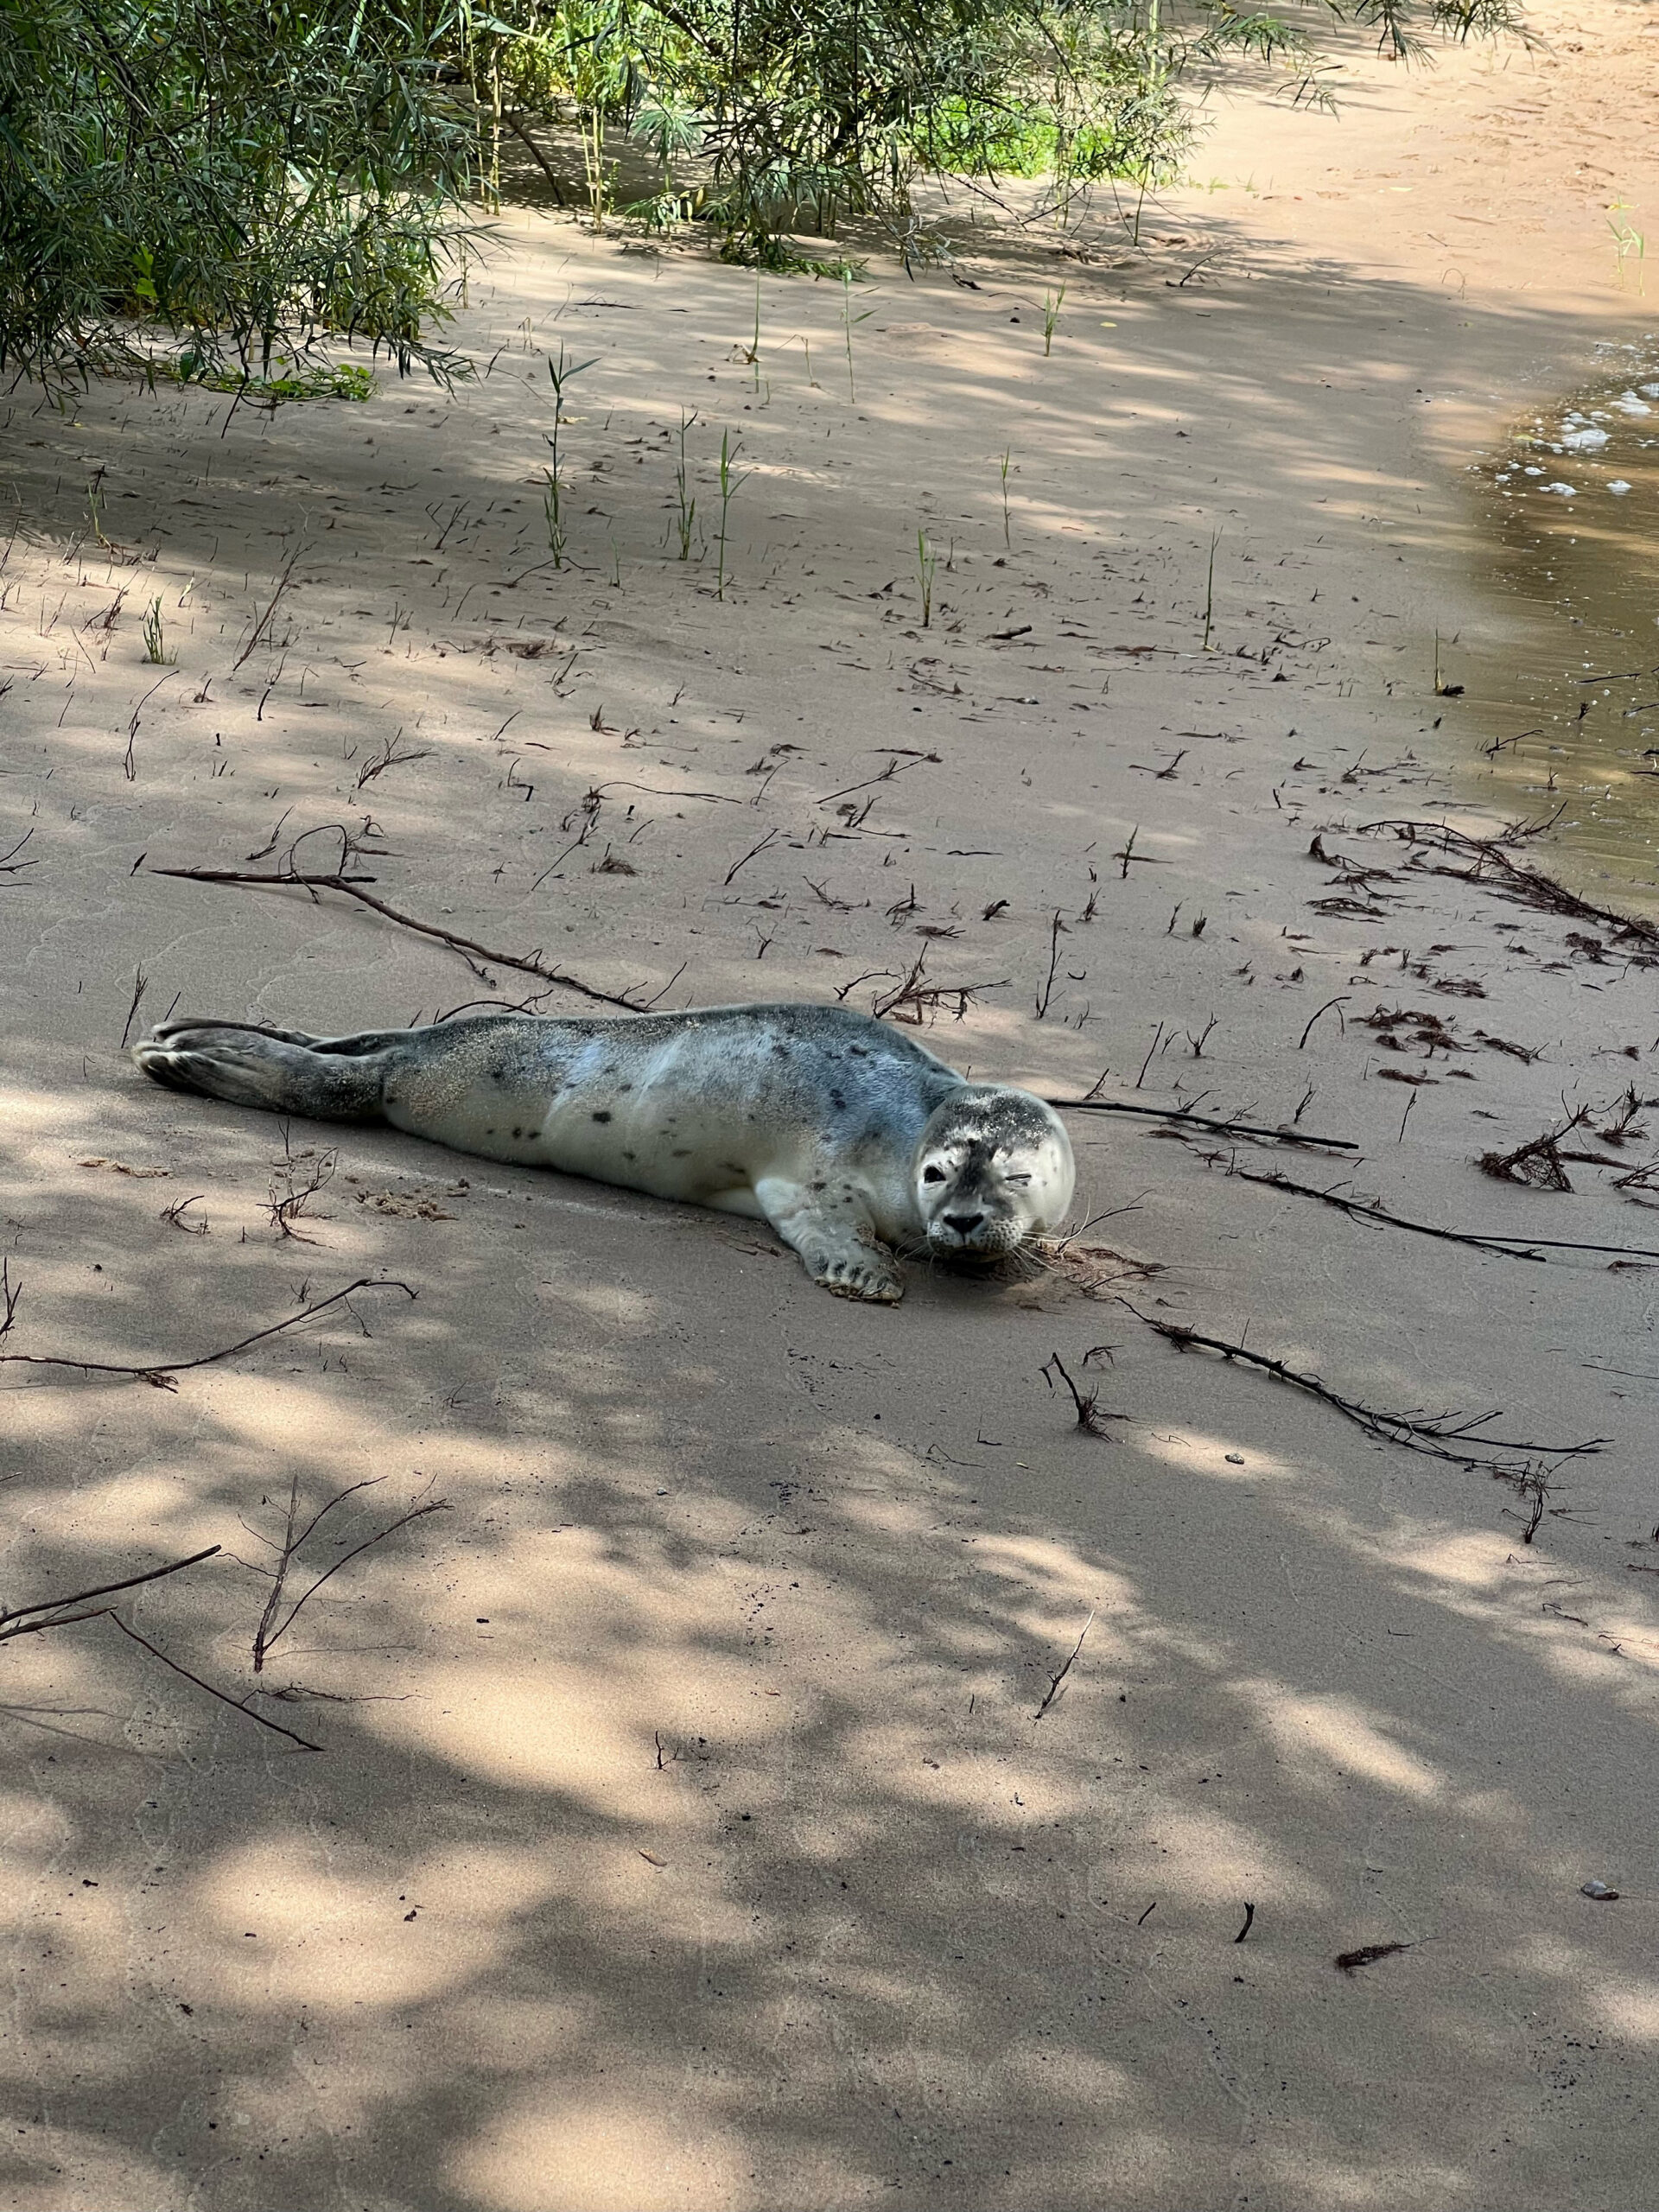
<point>467,947</point>
<point>162,1372</point>
<point>1491,865</point>
<point>235,1703</point>
<point>269,1632</point>
<point>1091,1415</point>
<point>1513,1248</point>
<point>1201,1122</point>
<point>15,1614</point>
<point>282,582</point>
<point>14,1623</point>
<point>1056,1679</point>
<point>1440,1436</point>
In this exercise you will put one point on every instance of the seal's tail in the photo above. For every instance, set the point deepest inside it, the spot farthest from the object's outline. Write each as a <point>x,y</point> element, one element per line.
<point>282,1070</point>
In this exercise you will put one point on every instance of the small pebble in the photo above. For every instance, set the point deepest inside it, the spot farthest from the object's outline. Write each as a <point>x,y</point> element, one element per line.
<point>1235,1458</point>
<point>1599,1890</point>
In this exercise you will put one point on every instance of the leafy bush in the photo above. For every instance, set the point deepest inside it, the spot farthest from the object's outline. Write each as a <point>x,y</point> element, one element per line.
<point>249,174</point>
<point>800,112</point>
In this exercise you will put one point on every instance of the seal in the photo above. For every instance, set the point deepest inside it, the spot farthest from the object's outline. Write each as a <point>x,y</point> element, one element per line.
<point>853,1142</point>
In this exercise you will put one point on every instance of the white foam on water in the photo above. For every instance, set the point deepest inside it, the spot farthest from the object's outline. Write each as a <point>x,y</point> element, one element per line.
<point>1566,490</point>
<point>1584,440</point>
<point>1618,485</point>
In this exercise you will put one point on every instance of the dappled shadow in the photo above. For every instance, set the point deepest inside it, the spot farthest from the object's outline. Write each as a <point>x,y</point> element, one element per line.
<point>684,1832</point>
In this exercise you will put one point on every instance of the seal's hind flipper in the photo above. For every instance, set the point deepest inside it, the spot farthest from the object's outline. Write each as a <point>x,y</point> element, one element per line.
<point>272,1069</point>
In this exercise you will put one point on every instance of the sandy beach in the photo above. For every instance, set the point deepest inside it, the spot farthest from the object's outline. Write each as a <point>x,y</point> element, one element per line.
<point>696,1819</point>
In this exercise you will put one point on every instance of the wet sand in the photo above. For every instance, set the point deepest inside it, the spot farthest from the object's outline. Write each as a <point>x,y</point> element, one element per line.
<point>683,1832</point>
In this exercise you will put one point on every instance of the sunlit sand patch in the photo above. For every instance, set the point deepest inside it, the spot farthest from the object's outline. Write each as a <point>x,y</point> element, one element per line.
<point>609,1303</point>
<point>628,2153</point>
<point>1471,1558</point>
<point>1394,2185</point>
<point>900,1762</point>
<point>584,1733</point>
<point>1321,1737</point>
<point>1066,1581</point>
<point>1207,1858</point>
<point>1224,1459</point>
<point>100,2175</point>
<point>289,1927</point>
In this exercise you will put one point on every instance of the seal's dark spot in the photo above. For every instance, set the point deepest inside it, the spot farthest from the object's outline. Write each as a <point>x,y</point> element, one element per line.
<point>601,1117</point>
<point>837,1102</point>
<point>731,1167</point>
<point>627,1155</point>
<point>624,1086</point>
<point>517,1132</point>
<point>685,1153</point>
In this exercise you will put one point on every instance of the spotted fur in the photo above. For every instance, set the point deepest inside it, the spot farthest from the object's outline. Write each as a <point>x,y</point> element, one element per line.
<point>846,1136</point>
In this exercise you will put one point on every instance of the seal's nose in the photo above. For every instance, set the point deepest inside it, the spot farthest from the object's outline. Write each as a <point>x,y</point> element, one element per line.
<point>963,1224</point>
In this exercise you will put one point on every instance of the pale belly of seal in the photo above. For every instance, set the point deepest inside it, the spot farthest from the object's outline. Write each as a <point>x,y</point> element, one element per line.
<point>809,1117</point>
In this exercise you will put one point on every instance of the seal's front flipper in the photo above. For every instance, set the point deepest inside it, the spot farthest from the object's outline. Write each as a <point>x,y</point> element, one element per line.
<point>837,1246</point>
<point>253,1067</point>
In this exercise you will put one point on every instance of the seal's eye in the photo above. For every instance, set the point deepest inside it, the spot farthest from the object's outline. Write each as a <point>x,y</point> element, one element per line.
<point>1016,1178</point>
<point>932,1174</point>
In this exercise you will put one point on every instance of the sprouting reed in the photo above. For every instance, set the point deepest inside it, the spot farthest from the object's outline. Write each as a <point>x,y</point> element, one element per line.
<point>1052,302</point>
<point>729,482</point>
<point>1210,589</point>
<point>1007,456</point>
<point>1628,243</point>
<point>926,561</point>
<point>686,520</point>
<point>155,636</point>
<point>847,318</point>
<point>559,374</point>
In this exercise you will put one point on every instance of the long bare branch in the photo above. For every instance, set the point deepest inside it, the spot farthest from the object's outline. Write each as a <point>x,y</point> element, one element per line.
<point>162,1372</point>
<point>1443,1436</point>
<point>470,948</point>
<point>14,1614</point>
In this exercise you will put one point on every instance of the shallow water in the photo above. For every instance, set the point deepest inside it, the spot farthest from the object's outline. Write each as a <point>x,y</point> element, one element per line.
<point>1563,690</point>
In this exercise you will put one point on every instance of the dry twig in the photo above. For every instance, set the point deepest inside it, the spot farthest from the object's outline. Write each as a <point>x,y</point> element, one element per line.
<point>1071,1660</point>
<point>282,582</point>
<point>1203,1121</point>
<point>1491,866</point>
<point>1537,1162</point>
<point>163,1373</point>
<point>1442,1436</point>
<point>270,1630</point>
<point>1513,1248</point>
<point>469,948</point>
<point>64,1612</point>
<point>1367,1955</point>
<point>1091,1417</point>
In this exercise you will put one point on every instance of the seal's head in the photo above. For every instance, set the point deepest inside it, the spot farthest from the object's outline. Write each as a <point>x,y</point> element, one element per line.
<point>994,1168</point>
